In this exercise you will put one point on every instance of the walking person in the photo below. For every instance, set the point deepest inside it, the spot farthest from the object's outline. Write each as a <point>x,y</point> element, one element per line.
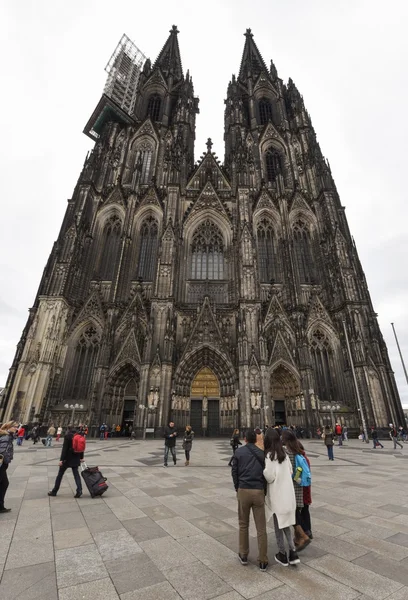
<point>50,436</point>
<point>59,432</point>
<point>20,435</point>
<point>339,433</point>
<point>35,434</point>
<point>234,442</point>
<point>376,441</point>
<point>71,458</point>
<point>329,441</point>
<point>247,473</point>
<point>394,437</point>
<point>187,443</point>
<point>7,432</point>
<point>170,435</point>
<point>280,501</point>
<point>293,447</point>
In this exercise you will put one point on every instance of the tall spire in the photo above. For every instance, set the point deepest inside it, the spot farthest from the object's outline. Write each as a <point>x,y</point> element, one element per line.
<point>169,59</point>
<point>252,61</point>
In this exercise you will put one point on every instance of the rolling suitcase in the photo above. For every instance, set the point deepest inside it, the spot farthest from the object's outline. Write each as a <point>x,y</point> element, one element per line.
<point>94,480</point>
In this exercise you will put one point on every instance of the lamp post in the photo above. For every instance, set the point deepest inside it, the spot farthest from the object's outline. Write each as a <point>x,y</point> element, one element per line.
<point>144,410</point>
<point>74,407</point>
<point>331,408</point>
<point>400,353</point>
<point>360,405</point>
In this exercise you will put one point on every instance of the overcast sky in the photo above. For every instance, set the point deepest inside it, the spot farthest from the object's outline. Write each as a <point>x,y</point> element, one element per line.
<point>348,59</point>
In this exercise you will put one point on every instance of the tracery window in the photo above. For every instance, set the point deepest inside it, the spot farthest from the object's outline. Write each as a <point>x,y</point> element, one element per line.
<point>265,111</point>
<point>153,107</point>
<point>80,375</point>
<point>302,252</point>
<point>207,249</point>
<point>323,364</point>
<point>143,163</point>
<point>111,248</point>
<point>267,256</point>
<point>273,164</point>
<point>148,249</point>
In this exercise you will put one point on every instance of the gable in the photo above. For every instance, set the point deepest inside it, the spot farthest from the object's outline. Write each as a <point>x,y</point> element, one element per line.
<point>205,331</point>
<point>207,200</point>
<point>207,169</point>
<point>280,351</point>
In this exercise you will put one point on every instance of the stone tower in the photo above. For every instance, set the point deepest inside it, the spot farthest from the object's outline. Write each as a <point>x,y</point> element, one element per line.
<point>211,293</point>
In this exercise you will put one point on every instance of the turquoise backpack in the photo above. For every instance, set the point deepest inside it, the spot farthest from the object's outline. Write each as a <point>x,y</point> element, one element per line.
<point>306,477</point>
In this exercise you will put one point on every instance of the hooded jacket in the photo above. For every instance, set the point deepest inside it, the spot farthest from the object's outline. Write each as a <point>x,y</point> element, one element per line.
<point>6,445</point>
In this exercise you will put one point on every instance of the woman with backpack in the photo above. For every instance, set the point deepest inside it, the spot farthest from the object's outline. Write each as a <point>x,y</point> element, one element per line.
<point>306,522</point>
<point>72,454</point>
<point>280,500</point>
<point>234,443</point>
<point>7,433</point>
<point>329,441</point>
<point>293,449</point>
<point>188,443</point>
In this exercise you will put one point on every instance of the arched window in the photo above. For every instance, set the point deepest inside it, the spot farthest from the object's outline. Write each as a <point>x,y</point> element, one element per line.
<point>143,163</point>
<point>148,249</point>
<point>323,365</point>
<point>265,111</point>
<point>273,164</point>
<point>153,107</point>
<point>302,252</point>
<point>267,256</point>
<point>80,374</point>
<point>110,248</point>
<point>207,249</point>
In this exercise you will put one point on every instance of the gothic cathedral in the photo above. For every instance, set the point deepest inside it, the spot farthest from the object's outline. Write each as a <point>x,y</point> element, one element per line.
<point>216,294</point>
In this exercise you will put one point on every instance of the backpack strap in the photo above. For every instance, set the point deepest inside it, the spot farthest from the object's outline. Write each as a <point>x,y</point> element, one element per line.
<point>258,458</point>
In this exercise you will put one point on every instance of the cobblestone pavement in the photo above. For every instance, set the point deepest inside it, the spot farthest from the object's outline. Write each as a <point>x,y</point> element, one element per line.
<point>172,533</point>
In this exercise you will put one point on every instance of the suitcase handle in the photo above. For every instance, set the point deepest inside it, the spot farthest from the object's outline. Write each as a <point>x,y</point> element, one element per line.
<point>84,466</point>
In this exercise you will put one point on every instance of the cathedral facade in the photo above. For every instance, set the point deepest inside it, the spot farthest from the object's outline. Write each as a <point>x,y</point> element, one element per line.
<point>215,294</point>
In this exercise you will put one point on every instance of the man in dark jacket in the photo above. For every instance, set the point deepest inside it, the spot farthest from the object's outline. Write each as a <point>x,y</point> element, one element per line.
<point>247,474</point>
<point>376,441</point>
<point>170,435</point>
<point>394,437</point>
<point>69,459</point>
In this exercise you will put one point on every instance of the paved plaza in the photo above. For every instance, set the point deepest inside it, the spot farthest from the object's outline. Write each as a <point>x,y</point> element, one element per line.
<point>172,533</point>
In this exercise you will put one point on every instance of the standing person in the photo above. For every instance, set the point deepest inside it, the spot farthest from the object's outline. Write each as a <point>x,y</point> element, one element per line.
<point>50,435</point>
<point>70,459</point>
<point>59,432</point>
<point>118,428</point>
<point>247,474</point>
<point>170,435</point>
<point>307,501</point>
<point>234,442</point>
<point>394,437</point>
<point>329,441</point>
<point>102,430</point>
<point>293,447</point>
<point>187,443</point>
<point>35,434</point>
<point>280,501</point>
<point>7,432</point>
<point>345,433</point>
<point>20,435</point>
<point>339,432</point>
<point>374,435</point>
<point>259,439</point>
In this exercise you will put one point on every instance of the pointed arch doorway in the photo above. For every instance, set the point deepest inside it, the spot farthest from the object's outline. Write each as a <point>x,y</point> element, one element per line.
<point>285,394</point>
<point>205,403</point>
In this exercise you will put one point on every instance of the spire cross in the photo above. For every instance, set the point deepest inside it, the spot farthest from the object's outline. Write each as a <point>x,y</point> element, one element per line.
<point>248,33</point>
<point>209,145</point>
<point>174,30</point>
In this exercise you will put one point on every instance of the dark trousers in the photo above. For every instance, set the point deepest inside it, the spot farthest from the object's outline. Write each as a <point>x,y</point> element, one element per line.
<point>61,475</point>
<point>187,453</point>
<point>4,483</point>
<point>330,452</point>
<point>166,453</point>
<point>305,518</point>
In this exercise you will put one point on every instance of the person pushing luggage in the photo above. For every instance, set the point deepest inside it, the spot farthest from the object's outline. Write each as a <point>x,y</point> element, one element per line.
<point>72,455</point>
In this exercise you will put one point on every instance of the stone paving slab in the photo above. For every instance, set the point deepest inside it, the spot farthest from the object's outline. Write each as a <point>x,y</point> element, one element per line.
<point>173,533</point>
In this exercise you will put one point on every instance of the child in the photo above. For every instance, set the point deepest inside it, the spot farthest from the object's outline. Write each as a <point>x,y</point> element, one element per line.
<point>280,501</point>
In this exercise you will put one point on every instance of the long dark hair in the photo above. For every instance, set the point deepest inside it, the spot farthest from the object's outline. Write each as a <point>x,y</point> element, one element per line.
<point>273,445</point>
<point>291,442</point>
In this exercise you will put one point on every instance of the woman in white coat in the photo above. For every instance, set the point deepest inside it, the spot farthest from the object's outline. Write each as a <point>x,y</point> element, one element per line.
<point>280,501</point>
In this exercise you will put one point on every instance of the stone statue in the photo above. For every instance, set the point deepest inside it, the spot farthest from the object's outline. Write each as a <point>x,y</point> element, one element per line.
<point>155,402</point>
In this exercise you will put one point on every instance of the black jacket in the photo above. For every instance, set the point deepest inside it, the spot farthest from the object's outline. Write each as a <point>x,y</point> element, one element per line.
<point>247,470</point>
<point>170,441</point>
<point>235,441</point>
<point>68,456</point>
<point>374,434</point>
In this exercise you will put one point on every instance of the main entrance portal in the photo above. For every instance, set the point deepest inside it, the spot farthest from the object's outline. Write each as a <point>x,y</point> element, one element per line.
<point>205,403</point>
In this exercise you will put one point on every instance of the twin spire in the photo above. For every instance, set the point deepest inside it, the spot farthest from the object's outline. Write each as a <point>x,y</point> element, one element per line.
<point>252,62</point>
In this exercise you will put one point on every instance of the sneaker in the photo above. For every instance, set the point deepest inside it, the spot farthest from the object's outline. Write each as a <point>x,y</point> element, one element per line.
<point>165,465</point>
<point>293,557</point>
<point>263,566</point>
<point>282,559</point>
<point>52,493</point>
<point>243,559</point>
<point>5,510</point>
<point>78,495</point>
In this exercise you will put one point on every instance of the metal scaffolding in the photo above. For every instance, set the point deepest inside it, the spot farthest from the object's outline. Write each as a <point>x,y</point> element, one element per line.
<point>124,68</point>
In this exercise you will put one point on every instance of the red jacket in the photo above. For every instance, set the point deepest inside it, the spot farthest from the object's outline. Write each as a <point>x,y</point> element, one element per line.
<point>21,432</point>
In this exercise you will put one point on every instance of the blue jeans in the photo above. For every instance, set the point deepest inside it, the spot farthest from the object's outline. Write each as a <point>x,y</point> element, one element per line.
<point>376,443</point>
<point>49,440</point>
<point>330,452</point>
<point>166,453</point>
<point>20,441</point>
